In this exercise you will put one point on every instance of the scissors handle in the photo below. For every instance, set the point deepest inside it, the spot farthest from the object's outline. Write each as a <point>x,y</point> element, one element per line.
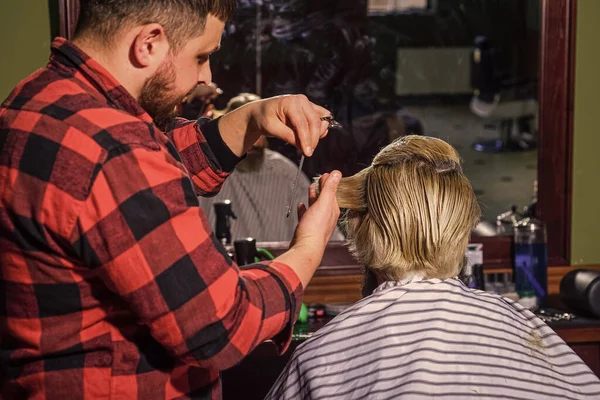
<point>333,124</point>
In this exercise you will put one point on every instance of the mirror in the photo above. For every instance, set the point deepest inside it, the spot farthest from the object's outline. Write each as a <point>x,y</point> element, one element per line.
<point>555,88</point>
<point>466,71</point>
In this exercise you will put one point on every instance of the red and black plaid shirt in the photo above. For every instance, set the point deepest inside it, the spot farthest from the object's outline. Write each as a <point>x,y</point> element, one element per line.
<point>112,285</point>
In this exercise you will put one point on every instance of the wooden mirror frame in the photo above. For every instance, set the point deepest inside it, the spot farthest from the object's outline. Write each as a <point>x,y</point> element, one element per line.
<point>557,58</point>
<point>555,152</point>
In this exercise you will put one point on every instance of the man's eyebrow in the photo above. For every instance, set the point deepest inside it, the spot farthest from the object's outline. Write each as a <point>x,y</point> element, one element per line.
<point>215,49</point>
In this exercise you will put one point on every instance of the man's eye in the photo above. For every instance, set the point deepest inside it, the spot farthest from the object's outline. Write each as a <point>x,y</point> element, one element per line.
<point>202,59</point>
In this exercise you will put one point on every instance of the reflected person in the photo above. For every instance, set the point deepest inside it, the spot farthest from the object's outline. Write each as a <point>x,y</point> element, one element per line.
<point>111,283</point>
<point>259,189</point>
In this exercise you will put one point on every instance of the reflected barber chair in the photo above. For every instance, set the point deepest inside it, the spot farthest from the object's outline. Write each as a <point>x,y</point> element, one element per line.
<point>502,100</point>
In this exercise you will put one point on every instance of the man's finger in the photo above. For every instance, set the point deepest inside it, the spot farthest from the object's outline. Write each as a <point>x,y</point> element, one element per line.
<point>280,130</point>
<point>323,112</point>
<point>312,194</point>
<point>315,125</point>
<point>300,125</point>
<point>322,180</point>
<point>329,185</point>
<point>301,211</point>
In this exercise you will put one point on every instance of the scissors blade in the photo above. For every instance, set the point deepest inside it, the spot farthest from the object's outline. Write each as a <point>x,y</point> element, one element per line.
<point>294,191</point>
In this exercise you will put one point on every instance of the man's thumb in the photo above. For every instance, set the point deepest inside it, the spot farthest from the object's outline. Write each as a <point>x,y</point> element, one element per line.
<point>329,187</point>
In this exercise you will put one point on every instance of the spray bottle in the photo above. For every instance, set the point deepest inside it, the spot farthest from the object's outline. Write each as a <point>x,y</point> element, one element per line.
<point>224,213</point>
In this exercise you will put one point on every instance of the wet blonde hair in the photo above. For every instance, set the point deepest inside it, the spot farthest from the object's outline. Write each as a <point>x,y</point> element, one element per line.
<point>411,212</point>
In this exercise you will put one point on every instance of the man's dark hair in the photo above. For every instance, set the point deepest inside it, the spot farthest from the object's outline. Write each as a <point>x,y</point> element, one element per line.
<point>181,19</point>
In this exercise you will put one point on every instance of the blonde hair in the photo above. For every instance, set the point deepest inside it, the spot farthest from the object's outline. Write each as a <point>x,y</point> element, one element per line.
<point>411,212</point>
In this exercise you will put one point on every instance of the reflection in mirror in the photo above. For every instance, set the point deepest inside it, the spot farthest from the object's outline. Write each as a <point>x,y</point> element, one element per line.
<point>465,71</point>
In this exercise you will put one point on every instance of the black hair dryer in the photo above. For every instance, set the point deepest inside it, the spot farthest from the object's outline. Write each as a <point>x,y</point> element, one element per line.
<point>580,291</point>
<point>224,213</point>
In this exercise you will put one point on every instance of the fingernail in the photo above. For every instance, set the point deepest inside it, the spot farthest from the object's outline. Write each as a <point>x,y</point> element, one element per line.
<point>308,150</point>
<point>336,176</point>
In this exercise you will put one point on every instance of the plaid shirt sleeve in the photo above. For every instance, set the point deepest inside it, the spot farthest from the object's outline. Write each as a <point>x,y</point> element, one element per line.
<point>207,158</point>
<point>142,228</point>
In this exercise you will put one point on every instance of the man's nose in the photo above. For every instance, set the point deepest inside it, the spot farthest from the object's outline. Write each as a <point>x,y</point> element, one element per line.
<point>205,75</point>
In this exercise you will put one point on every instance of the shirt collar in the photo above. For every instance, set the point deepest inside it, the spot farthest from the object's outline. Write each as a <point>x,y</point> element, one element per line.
<point>413,279</point>
<point>66,55</point>
<point>402,282</point>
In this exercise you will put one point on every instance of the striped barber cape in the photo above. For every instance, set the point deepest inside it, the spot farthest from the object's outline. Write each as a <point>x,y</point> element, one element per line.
<point>418,339</point>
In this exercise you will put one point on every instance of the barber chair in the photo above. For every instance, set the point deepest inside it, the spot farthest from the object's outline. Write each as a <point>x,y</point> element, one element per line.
<point>502,100</point>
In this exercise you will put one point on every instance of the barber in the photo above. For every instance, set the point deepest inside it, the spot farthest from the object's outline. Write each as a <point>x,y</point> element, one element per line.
<point>112,285</point>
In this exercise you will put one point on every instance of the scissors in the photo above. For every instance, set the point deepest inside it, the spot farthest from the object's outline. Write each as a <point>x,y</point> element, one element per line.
<point>333,124</point>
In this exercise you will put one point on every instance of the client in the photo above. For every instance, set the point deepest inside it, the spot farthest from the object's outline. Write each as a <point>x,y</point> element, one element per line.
<point>422,333</point>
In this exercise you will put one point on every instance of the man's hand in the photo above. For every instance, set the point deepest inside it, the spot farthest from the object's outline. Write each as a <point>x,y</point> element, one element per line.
<point>317,223</point>
<point>315,228</point>
<point>199,102</point>
<point>203,93</point>
<point>292,118</point>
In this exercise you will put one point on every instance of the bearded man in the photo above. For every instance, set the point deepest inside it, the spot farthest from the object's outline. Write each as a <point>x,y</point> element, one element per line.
<point>112,285</point>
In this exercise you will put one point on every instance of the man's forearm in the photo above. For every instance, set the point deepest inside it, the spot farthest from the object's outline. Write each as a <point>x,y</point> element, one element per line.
<point>303,261</point>
<point>237,130</point>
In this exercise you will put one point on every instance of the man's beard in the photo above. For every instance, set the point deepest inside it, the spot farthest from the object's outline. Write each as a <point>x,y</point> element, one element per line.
<point>157,97</point>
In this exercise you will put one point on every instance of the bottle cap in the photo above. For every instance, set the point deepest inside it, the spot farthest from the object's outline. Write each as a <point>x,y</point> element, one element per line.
<point>529,302</point>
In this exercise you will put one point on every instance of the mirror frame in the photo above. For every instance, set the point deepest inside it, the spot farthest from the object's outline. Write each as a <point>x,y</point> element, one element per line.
<point>555,152</point>
<point>556,88</point>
